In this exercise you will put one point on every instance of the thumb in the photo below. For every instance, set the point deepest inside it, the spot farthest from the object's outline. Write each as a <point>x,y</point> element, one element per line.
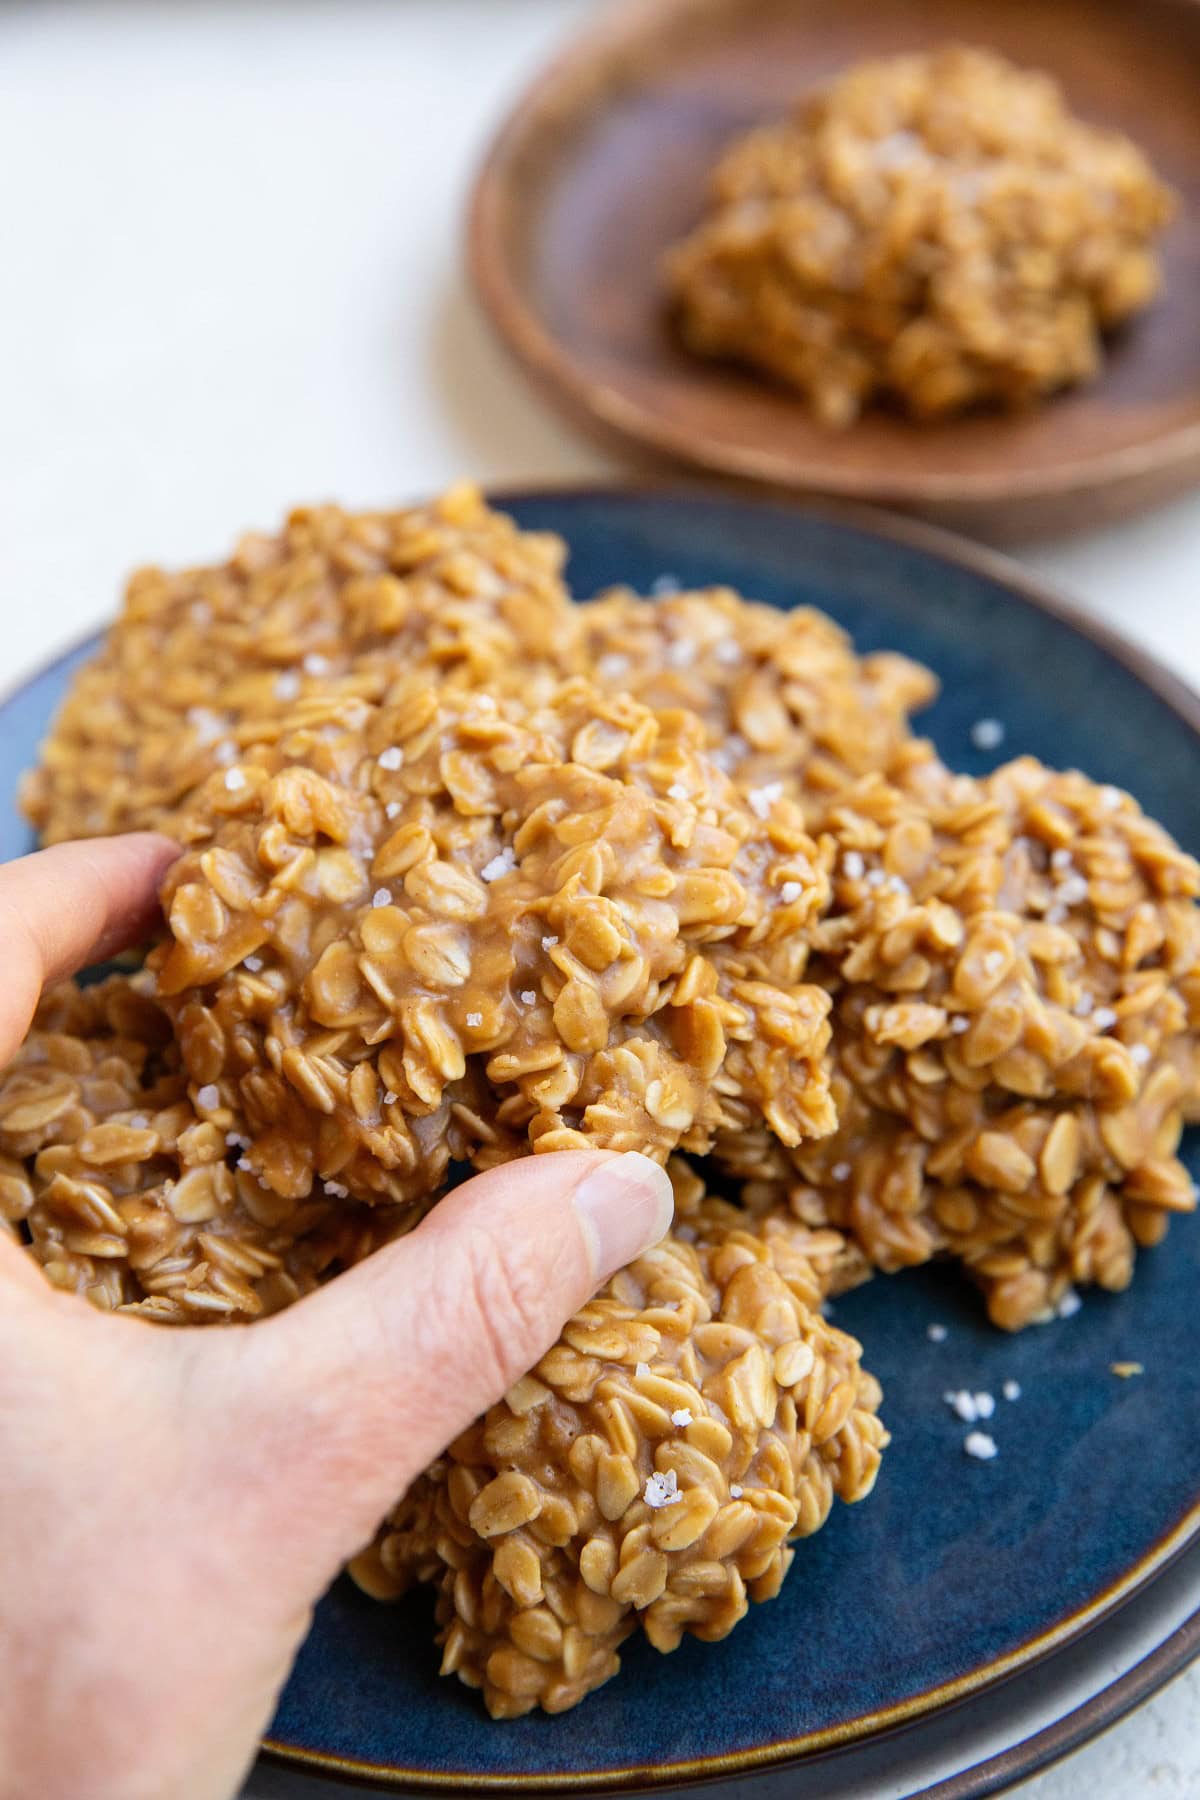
<point>365,1382</point>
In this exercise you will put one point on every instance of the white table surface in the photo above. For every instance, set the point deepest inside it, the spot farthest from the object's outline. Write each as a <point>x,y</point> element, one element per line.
<point>231,281</point>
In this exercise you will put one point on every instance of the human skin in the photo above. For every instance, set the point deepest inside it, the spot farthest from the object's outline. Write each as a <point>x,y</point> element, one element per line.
<point>173,1502</point>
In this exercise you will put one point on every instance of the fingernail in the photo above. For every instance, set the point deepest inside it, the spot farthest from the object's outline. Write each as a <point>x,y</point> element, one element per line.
<point>626,1204</point>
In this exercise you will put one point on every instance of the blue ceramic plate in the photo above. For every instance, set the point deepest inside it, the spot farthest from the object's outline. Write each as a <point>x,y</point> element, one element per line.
<point>955,1573</point>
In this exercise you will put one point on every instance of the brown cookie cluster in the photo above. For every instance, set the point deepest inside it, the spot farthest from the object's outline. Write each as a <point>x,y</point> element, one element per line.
<point>693,1420</point>
<point>449,927</point>
<point>468,872</point>
<point>783,695</point>
<point>936,230</point>
<point>130,1193</point>
<point>1014,965</point>
<point>336,604</point>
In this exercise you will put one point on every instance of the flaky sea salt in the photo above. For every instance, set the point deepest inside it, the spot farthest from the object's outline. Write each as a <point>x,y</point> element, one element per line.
<point>1084,1005</point>
<point>1011,1389</point>
<point>763,798</point>
<point>315,664</point>
<point>1060,859</point>
<point>391,758</point>
<point>253,963</point>
<point>677,791</point>
<point>736,1490</point>
<point>234,780</point>
<point>139,1121</point>
<point>962,1403</point>
<point>985,1406</point>
<point>643,1368</point>
<point>528,997</point>
<point>393,809</point>
<point>987,734</point>
<point>503,863</point>
<point>1103,1018</point>
<point>728,651</point>
<point>662,1490</point>
<point>1140,1053</point>
<point>337,1190</point>
<point>226,753</point>
<point>790,891</point>
<point>1068,1305</point>
<point>474,1020</point>
<point>960,1023</point>
<point>381,897</point>
<point>979,1445</point>
<point>853,866</point>
<point>208,1096</point>
<point>548,943</point>
<point>390,1097</point>
<point>840,1171</point>
<point>287,685</point>
<point>664,584</point>
<point>936,1334</point>
<point>681,1417</point>
<point>612,666</point>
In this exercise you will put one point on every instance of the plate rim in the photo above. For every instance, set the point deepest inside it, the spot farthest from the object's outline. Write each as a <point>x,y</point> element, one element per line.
<point>596,404</point>
<point>1160,1665</point>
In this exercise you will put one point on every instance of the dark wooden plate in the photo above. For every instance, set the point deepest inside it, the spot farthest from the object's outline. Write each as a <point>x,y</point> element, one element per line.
<point>603,164</point>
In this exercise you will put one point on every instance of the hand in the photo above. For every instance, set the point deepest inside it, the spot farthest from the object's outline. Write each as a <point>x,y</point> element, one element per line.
<point>173,1502</point>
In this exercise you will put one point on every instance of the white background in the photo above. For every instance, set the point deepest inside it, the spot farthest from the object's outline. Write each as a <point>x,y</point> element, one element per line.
<point>230,254</point>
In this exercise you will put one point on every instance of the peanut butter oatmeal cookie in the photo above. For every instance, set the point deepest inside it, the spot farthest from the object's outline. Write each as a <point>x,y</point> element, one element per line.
<point>783,694</point>
<point>129,1193</point>
<point>693,1419</point>
<point>451,927</point>
<point>935,229</point>
<point>1015,972</point>
<point>336,603</point>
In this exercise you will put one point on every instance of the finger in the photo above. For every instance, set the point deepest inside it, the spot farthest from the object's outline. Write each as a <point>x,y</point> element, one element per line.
<point>75,904</point>
<point>365,1382</point>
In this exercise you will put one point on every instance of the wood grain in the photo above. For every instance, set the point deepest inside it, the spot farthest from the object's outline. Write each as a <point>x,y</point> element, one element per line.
<point>604,162</point>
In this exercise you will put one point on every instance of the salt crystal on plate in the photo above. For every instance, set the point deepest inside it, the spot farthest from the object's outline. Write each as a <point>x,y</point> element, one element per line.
<point>979,1445</point>
<point>987,734</point>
